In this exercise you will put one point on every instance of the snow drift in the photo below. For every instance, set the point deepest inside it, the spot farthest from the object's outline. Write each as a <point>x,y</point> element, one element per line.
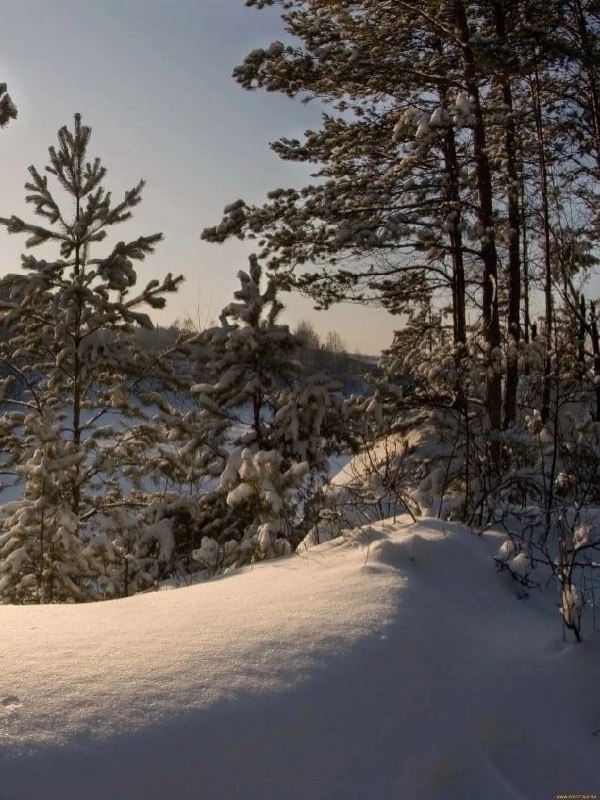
<point>392,663</point>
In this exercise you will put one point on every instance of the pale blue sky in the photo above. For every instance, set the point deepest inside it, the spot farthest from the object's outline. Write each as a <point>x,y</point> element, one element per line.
<point>153,79</point>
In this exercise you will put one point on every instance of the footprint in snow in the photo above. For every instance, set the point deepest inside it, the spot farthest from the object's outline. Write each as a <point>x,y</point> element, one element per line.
<point>9,704</point>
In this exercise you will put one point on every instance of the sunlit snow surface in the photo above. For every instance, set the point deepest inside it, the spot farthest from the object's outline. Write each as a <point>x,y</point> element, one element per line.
<point>395,664</point>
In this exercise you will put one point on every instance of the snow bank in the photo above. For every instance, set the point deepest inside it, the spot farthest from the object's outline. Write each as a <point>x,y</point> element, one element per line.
<point>395,663</point>
<point>392,475</point>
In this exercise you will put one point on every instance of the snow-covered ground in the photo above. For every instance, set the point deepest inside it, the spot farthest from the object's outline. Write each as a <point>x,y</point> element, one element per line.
<point>392,664</point>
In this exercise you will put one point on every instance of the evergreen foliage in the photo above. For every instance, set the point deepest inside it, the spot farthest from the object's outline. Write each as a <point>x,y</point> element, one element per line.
<point>456,174</point>
<point>274,432</point>
<point>73,372</point>
<point>455,185</point>
<point>446,122</point>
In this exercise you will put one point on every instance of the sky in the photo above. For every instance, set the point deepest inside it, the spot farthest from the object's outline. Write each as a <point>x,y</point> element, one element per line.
<point>153,80</point>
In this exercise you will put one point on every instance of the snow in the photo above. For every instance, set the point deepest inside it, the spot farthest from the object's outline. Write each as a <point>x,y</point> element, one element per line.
<point>463,104</point>
<point>392,663</point>
<point>241,494</point>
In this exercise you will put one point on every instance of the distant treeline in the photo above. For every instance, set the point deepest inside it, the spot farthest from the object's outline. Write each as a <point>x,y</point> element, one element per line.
<point>329,357</point>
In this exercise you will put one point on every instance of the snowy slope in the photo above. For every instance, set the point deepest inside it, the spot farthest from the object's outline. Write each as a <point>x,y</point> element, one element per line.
<point>396,664</point>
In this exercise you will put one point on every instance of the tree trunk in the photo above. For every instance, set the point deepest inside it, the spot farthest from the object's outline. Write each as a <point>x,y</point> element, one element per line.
<point>525,262</point>
<point>548,304</point>
<point>491,317</point>
<point>77,376</point>
<point>514,224</point>
<point>459,316</point>
<point>596,352</point>
<point>589,67</point>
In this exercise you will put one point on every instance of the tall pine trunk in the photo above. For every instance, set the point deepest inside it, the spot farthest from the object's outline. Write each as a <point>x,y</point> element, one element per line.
<point>514,224</point>
<point>548,283</point>
<point>452,172</point>
<point>489,256</point>
<point>589,62</point>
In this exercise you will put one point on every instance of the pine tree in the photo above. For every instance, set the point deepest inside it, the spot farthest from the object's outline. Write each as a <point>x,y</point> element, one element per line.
<point>71,358</point>
<point>272,432</point>
<point>455,176</point>
<point>429,190</point>
<point>42,556</point>
<point>405,205</point>
<point>250,352</point>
